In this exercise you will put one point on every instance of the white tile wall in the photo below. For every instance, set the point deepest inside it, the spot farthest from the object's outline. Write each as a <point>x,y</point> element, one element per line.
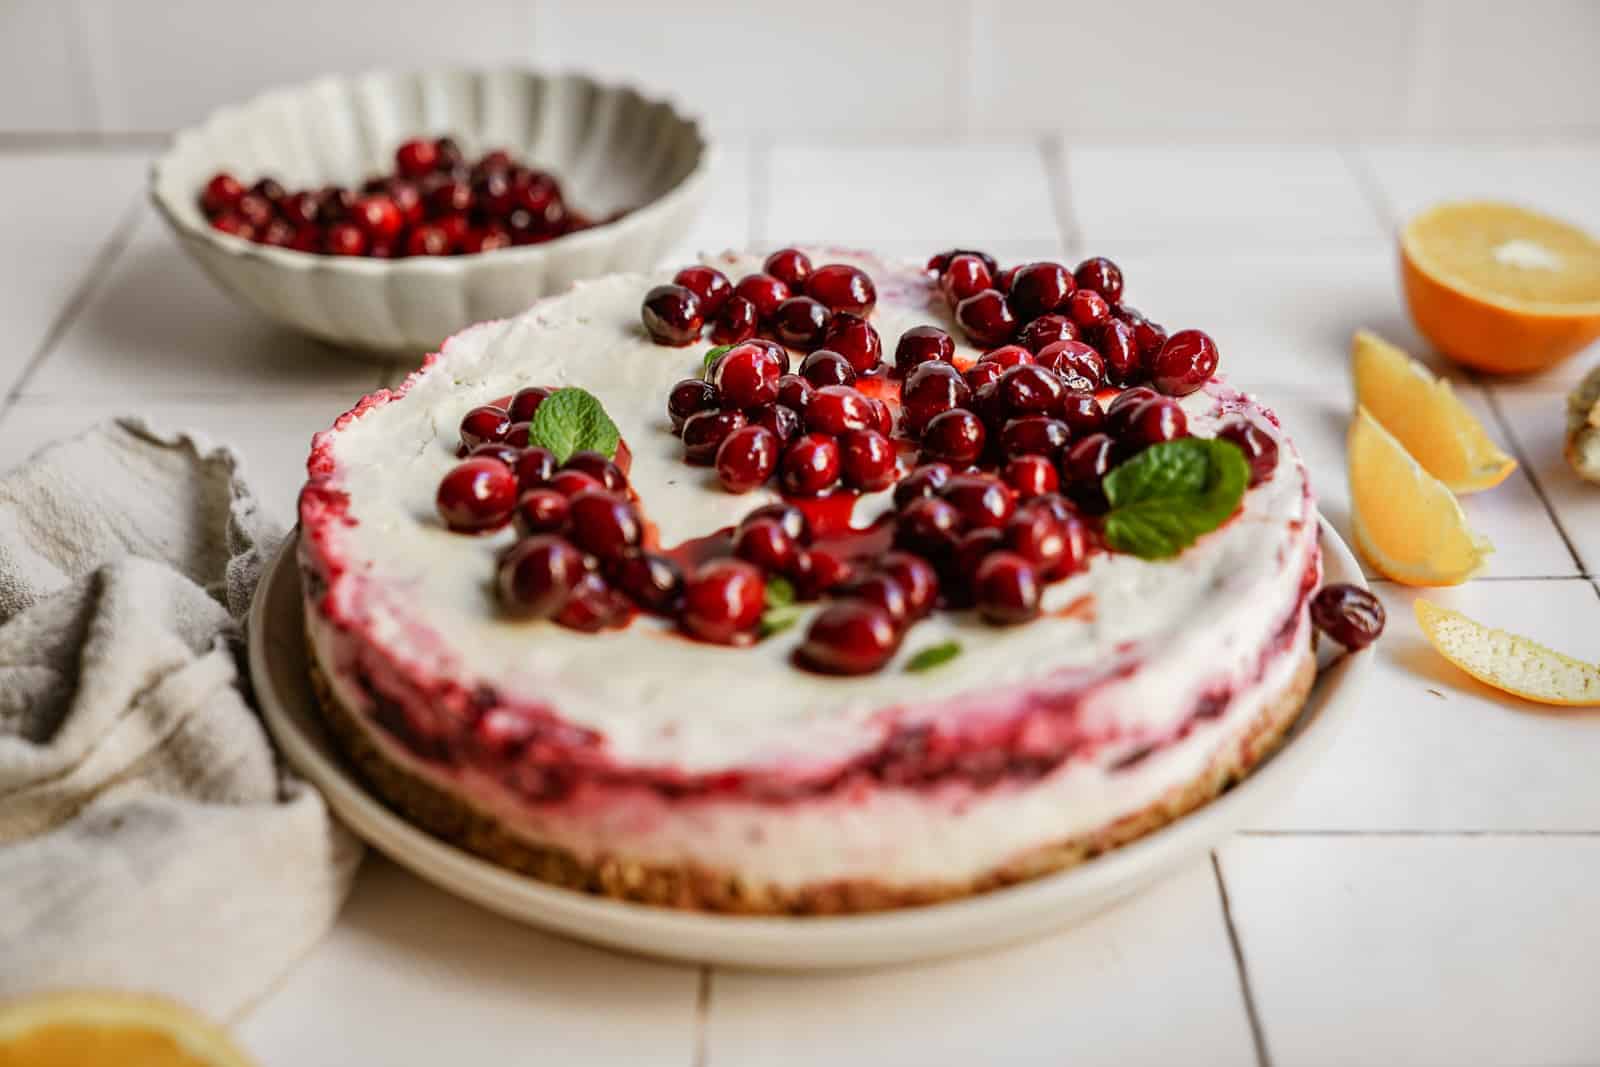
<point>44,81</point>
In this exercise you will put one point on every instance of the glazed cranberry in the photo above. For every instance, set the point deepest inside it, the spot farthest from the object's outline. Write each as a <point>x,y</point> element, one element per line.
<point>407,196</point>
<point>930,390</point>
<point>1007,356</point>
<point>817,571</point>
<point>493,193</point>
<point>800,322</point>
<point>428,240</point>
<point>928,526</point>
<point>964,276</point>
<point>672,315</point>
<point>535,467</point>
<point>604,523</point>
<point>782,421</point>
<point>484,423</point>
<point>849,637</point>
<point>955,436</point>
<point>736,322</point>
<point>497,450</point>
<point>346,239</point>
<point>416,157</point>
<point>1088,460</point>
<point>841,287</point>
<point>448,197</point>
<point>1038,536</point>
<point>594,606</point>
<point>746,458</point>
<point>1034,435</point>
<point>791,518</point>
<point>709,284</point>
<point>823,368</point>
<point>1149,338</point>
<point>704,432</point>
<point>923,481</point>
<point>222,193</point>
<point>981,374</point>
<point>256,210</point>
<point>1081,412</point>
<point>537,575</point>
<point>541,511</point>
<point>1349,614</point>
<point>520,434</point>
<point>940,263</point>
<point>1088,309</point>
<point>987,319</point>
<point>1031,390</point>
<point>764,291</point>
<point>1120,351</point>
<point>790,266</point>
<point>722,600</point>
<point>478,494</point>
<point>1031,476</point>
<point>767,544</point>
<point>539,195</point>
<point>883,416</point>
<point>1185,363</point>
<point>922,344</point>
<point>980,500</point>
<point>879,590</point>
<point>301,209</point>
<point>917,580</point>
<point>229,222</point>
<point>747,376</point>
<point>795,392</point>
<point>1046,330</point>
<point>970,551</point>
<point>811,464</point>
<point>1006,589</point>
<point>1155,421</point>
<point>600,467</point>
<point>571,483</point>
<point>653,581</point>
<point>1121,408</point>
<point>1039,289</point>
<point>1100,275</point>
<point>1259,448</point>
<point>838,409</point>
<point>688,397</point>
<point>866,460</point>
<point>990,406</point>
<point>854,338</point>
<point>1074,358</point>
<point>526,402</point>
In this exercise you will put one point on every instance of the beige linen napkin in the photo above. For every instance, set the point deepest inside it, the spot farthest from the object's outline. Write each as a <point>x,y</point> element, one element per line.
<point>149,837</point>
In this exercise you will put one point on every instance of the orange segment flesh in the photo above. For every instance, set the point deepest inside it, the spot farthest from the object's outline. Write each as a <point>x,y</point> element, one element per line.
<point>1403,519</point>
<point>1508,662</point>
<point>128,1030</point>
<point>1499,287</point>
<point>1426,416</point>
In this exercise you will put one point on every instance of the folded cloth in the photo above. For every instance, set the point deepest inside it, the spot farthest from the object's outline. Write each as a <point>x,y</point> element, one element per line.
<point>149,837</point>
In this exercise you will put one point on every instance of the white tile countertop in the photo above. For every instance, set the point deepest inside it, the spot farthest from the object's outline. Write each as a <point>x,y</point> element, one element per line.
<point>1425,897</point>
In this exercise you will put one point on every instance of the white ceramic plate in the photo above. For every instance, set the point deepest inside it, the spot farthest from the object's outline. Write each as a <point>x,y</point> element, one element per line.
<point>278,664</point>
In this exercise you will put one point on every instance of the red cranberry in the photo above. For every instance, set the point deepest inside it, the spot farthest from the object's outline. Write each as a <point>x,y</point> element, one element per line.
<point>1008,356</point>
<point>707,283</point>
<point>269,189</point>
<point>1121,353</point>
<point>1031,390</point>
<point>408,198</point>
<point>672,315</point>
<point>1074,357</point>
<point>981,374</point>
<point>484,423</point>
<point>653,581</point>
<point>940,263</point>
<point>841,287</point>
<point>866,460</point>
<point>879,590</point>
<point>823,368</point>
<point>520,434</point>
<point>990,406</point>
<point>450,156</point>
<point>1121,408</point>
<point>1056,544</point>
<point>308,239</point>
<point>1006,589</point>
<point>431,239</point>
<point>766,544</point>
<point>987,319</point>
<point>336,202</point>
<point>493,193</point>
<point>1039,289</point>
<point>931,389</point>
<point>1149,338</point>
<point>222,193</point>
<point>747,376</point>
<point>1081,412</point>
<point>1031,476</point>
<point>964,276</point>
<point>791,518</point>
<point>854,338</point>
<point>764,291</point>
<point>449,197</point>
<point>928,526</point>
<point>1185,363</point>
<point>704,432</point>
<point>746,458</point>
<point>838,409</point>
<point>849,637</point>
<point>795,392</point>
<point>736,322</point>
<point>301,209</point>
<point>1084,465</point>
<point>955,436</point>
<point>810,464</point>
<point>882,415</point>
<point>346,239</point>
<point>605,524</point>
<point>1100,275</point>
<point>416,157</point>
<point>1088,309</point>
<point>594,606</point>
<point>600,467</point>
<point>924,481</point>
<point>535,467</point>
<point>980,499</point>
<point>541,511</point>
<point>499,450</point>
<point>782,421</point>
<point>1046,330</point>
<point>790,266</point>
<point>1155,421</point>
<point>917,580</point>
<point>817,571</point>
<point>688,397</point>
<point>973,548</point>
<point>278,233</point>
<point>800,322</point>
<point>526,402</point>
<point>477,494</point>
<point>1034,435</point>
<point>1349,614</point>
<point>722,600</point>
<point>1259,448</point>
<point>256,210</point>
<point>536,576</point>
<point>923,344</point>
<point>571,483</point>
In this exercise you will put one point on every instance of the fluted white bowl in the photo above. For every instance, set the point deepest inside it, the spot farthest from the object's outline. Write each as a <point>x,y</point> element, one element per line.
<point>610,146</point>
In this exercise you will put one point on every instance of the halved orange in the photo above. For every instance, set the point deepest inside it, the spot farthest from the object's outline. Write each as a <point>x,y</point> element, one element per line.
<point>1426,416</point>
<point>1403,519</point>
<point>1510,663</point>
<point>1499,287</point>
<point>78,1029</point>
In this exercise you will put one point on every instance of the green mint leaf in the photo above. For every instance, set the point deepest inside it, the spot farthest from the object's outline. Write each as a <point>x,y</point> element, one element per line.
<point>1164,498</point>
<point>572,420</point>
<point>934,655</point>
<point>711,357</point>
<point>780,592</point>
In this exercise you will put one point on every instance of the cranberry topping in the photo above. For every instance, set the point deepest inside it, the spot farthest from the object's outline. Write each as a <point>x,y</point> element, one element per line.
<point>1100,275</point>
<point>923,481</point>
<point>841,287</point>
<point>1258,446</point>
<point>800,322</point>
<point>784,422</point>
<point>652,581</point>
<point>477,495</point>
<point>571,483</point>
<point>747,376</point>
<point>955,436</point>
<point>1084,465</point>
<point>707,283</point>
<point>535,467</point>
<point>416,157</point>
<point>671,314</point>
<point>987,318</point>
<point>722,601</point>
<point>817,571</point>
<point>795,392</point>
<point>541,511</point>
<point>604,523</point>
<point>922,344</point>
<point>916,578</point>
<point>526,402</point>
<point>746,458</point>
<point>1082,414</point>
<point>1007,356</point>
<point>537,575</point>
<point>498,450</point>
<point>1185,363</point>
<point>931,389</point>
<point>594,606</point>
<point>810,464</point>
<point>981,374</point>
<point>1034,435</point>
<point>1074,357</point>
<point>1031,390</point>
<point>736,322</point>
<point>928,526</point>
<point>765,543</point>
<point>1121,408</point>
<point>1349,614</point>
<point>854,338</point>
<point>1149,338</point>
<point>965,275</point>
<point>1154,421</point>
<point>1046,330</point>
<point>483,424</point>
<point>1039,289</point>
<point>1088,309</point>
<point>849,637</point>
<point>1006,589</point>
<point>704,432</point>
<point>866,460</point>
<point>838,409</point>
<point>1031,476</point>
<point>824,367</point>
<point>979,499</point>
<point>689,396</point>
<point>600,467</point>
<point>791,518</point>
<point>764,291</point>
<point>938,264</point>
<point>1124,365</point>
<point>879,590</point>
<point>221,193</point>
<point>790,266</point>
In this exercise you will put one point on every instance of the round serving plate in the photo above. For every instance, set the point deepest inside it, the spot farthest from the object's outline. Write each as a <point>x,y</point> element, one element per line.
<point>279,668</point>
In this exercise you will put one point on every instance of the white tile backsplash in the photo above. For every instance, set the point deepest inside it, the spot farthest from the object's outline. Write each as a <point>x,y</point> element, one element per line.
<point>44,80</point>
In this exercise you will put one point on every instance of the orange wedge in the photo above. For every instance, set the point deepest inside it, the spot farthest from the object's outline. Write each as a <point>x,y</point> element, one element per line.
<point>1404,520</point>
<point>1499,287</point>
<point>1426,416</point>
<point>1509,662</point>
<point>128,1030</point>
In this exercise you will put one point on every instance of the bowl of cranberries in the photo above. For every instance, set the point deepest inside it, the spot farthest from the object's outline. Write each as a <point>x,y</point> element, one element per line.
<point>387,211</point>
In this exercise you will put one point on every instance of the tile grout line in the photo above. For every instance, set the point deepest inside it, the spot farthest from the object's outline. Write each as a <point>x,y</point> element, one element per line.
<point>1257,1036</point>
<point>702,1018</point>
<point>1493,400</point>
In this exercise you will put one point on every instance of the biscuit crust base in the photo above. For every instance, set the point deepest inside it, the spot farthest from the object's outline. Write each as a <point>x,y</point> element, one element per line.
<point>695,888</point>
